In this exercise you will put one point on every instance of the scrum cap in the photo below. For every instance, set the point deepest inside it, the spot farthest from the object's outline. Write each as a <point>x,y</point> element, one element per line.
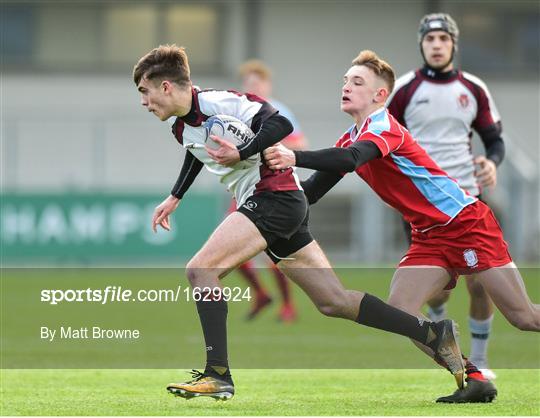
<point>438,21</point>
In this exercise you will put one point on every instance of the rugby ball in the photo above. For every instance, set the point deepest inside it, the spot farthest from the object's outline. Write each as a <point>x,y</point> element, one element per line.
<point>232,130</point>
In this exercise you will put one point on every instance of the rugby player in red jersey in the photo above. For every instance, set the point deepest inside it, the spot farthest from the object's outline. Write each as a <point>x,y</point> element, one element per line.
<point>453,232</point>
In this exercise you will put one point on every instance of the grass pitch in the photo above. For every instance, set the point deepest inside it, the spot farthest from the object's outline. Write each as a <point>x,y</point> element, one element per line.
<point>260,392</point>
<point>328,366</point>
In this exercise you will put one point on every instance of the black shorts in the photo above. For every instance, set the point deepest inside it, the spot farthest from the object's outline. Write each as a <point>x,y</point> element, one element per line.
<point>282,219</point>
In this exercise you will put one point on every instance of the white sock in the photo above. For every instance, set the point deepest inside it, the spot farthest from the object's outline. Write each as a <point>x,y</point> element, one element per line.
<point>437,313</point>
<point>480,330</point>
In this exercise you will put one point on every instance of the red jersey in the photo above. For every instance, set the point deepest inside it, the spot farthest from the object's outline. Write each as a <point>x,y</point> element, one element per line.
<point>405,177</point>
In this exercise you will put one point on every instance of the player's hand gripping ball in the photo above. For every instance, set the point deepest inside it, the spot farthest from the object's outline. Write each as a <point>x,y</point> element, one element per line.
<point>231,130</point>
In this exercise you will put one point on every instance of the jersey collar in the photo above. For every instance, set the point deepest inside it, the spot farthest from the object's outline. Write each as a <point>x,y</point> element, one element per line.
<point>194,117</point>
<point>355,133</point>
<point>436,75</point>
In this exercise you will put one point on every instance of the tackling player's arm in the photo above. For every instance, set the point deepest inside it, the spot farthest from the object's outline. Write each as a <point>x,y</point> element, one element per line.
<point>319,184</point>
<point>271,131</point>
<point>336,160</point>
<point>190,169</point>
<point>332,163</point>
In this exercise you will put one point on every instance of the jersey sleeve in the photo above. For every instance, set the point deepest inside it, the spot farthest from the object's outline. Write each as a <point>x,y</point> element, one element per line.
<point>190,170</point>
<point>386,141</point>
<point>487,118</point>
<point>250,109</point>
<point>386,133</point>
<point>396,105</point>
<point>401,96</point>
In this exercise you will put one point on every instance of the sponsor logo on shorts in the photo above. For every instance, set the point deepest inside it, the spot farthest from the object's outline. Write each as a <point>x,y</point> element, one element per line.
<point>470,258</point>
<point>250,205</point>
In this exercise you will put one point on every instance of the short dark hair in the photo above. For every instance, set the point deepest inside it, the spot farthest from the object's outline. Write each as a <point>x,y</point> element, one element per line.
<point>168,62</point>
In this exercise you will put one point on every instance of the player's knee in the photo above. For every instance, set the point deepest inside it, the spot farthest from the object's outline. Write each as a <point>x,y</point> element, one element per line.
<point>192,275</point>
<point>194,271</point>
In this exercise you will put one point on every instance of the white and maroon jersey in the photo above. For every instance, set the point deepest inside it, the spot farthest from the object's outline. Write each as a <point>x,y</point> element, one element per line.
<point>440,112</point>
<point>405,177</point>
<point>253,111</point>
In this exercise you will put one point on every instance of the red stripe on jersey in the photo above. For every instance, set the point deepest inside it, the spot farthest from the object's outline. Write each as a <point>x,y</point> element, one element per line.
<point>275,181</point>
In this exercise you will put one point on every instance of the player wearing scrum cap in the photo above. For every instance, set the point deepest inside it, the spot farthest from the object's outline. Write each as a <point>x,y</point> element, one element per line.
<point>440,105</point>
<point>272,216</point>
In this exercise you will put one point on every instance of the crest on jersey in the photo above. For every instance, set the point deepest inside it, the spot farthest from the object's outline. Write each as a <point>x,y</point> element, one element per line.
<point>463,100</point>
<point>470,258</point>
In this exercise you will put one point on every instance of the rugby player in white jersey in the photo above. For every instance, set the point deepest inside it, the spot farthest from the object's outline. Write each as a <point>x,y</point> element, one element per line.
<point>272,216</point>
<point>440,105</point>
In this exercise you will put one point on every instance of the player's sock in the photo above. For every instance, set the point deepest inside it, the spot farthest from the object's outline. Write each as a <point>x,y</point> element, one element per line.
<point>437,313</point>
<point>480,330</point>
<point>250,274</point>
<point>472,371</point>
<point>283,284</point>
<point>377,314</point>
<point>213,316</point>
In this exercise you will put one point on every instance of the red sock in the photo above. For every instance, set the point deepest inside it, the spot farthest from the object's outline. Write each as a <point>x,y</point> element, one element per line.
<point>472,371</point>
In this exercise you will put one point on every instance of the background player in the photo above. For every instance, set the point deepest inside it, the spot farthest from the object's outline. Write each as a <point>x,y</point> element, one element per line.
<point>453,232</point>
<point>257,79</point>
<point>439,105</point>
<point>272,216</point>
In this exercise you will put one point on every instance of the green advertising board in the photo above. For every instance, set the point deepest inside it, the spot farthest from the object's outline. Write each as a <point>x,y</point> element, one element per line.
<point>90,228</point>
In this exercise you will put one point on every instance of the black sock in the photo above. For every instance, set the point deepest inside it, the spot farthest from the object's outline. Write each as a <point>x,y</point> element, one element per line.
<point>377,314</point>
<point>213,316</point>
